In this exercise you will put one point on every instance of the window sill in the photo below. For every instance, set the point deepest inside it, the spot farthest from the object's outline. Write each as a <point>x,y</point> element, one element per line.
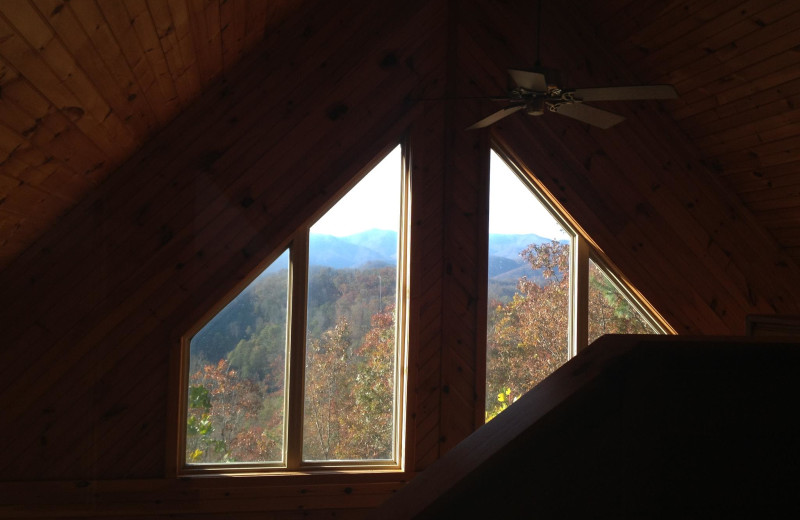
<point>316,474</point>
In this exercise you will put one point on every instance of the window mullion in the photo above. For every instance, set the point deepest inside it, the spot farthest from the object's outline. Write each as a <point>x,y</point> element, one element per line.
<point>401,323</point>
<point>296,346</point>
<point>580,294</point>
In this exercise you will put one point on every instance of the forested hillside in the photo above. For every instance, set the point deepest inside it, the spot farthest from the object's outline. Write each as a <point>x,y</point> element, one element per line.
<point>238,360</point>
<point>507,265</point>
<point>528,333</point>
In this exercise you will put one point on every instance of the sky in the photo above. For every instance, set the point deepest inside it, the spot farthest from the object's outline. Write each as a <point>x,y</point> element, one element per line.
<point>374,203</point>
<point>512,207</point>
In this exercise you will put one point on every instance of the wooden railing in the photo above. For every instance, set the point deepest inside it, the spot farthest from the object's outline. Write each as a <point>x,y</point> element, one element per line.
<point>633,426</point>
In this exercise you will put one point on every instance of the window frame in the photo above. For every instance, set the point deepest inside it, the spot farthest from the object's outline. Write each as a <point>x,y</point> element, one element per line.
<point>582,250</point>
<point>295,358</point>
<point>634,298</point>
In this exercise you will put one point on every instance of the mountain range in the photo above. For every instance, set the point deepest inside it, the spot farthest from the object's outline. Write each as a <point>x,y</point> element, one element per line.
<point>375,248</point>
<point>378,247</point>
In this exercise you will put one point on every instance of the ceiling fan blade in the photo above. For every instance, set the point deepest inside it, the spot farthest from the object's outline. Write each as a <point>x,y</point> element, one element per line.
<point>594,116</point>
<point>625,93</point>
<point>497,116</point>
<point>529,80</point>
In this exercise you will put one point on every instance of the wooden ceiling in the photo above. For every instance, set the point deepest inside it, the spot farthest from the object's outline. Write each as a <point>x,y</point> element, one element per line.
<point>85,83</point>
<point>736,66</point>
<point>92,312</point>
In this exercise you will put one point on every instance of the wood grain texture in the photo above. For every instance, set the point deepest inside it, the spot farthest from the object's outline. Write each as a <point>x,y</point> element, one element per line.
<point>192,143</point>
<point>299,496</point>
<point>734,65</point>
<point>643,191</point>
<point>86,83</point>
<point>89,82</point>
<point>175,255</point>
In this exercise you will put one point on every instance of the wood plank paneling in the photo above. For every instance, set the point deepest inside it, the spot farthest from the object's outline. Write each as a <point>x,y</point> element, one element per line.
<point>102,333</point>
<point>295,497</point>
<point>93,80</point>
<point>130,188</point>
<point>687,209</point>
<point>186,82</point>
<point>460,277</point>
<point>425,307</point>
<point>128,67</point>
<point>95,310</point>
<point>736,75</point>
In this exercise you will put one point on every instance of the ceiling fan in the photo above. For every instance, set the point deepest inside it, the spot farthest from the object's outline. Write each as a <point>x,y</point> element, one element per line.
<point>535,94</point>
<point>539,90</point>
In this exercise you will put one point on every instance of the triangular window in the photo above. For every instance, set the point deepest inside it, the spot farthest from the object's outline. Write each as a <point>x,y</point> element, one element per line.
<point>301,369</point>
<point>549,295</point>
<point>613,309</point>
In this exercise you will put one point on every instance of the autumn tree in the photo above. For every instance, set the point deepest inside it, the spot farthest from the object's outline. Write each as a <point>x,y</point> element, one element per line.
<point>349,392</point>
<point>223,418</point>
<point>371,427</point>
<point>327,402</point>
<point>528,336</point>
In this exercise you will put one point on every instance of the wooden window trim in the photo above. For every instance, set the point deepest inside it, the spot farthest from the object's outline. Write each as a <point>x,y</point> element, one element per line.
<point>636,299</point>
<point>293,465</point>
<point>583,249</point>
<point>296,355</point>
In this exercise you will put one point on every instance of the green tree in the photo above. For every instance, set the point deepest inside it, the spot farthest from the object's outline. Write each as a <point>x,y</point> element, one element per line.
<point>609,311</point>
<point>262,356</point>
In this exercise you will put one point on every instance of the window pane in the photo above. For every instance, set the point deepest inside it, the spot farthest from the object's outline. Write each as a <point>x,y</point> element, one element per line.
<point>350,339</point>
<point>237,367</point>
<point>610,312</point>
<point>528,292</point>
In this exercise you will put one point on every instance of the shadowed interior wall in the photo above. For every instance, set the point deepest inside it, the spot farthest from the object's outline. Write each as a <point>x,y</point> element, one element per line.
<point>93,313</point>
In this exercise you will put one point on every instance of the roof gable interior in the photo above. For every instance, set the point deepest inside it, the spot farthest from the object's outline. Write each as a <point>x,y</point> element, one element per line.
<point>83,89</point>
<point>94,309</point>
<point>194,212</point>
<point>645,180</point>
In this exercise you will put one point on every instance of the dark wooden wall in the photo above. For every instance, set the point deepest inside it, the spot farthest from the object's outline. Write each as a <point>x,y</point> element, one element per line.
<point>640,190</point>
<point>92,314</point>
<point>735,65</point>
<point>610,435</point>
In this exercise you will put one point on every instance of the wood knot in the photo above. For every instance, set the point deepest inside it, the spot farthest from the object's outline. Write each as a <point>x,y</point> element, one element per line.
<point>337,111</point>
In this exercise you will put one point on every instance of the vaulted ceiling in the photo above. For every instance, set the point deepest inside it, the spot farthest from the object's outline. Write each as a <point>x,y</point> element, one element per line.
<point>85,83</point>
<point>156,153</point>
<point>735,66</point>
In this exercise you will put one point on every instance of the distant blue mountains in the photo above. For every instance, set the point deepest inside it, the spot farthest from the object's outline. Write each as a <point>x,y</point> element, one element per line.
<point>378,247</point>
<point>373,248</point>
<point>505,263</point>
